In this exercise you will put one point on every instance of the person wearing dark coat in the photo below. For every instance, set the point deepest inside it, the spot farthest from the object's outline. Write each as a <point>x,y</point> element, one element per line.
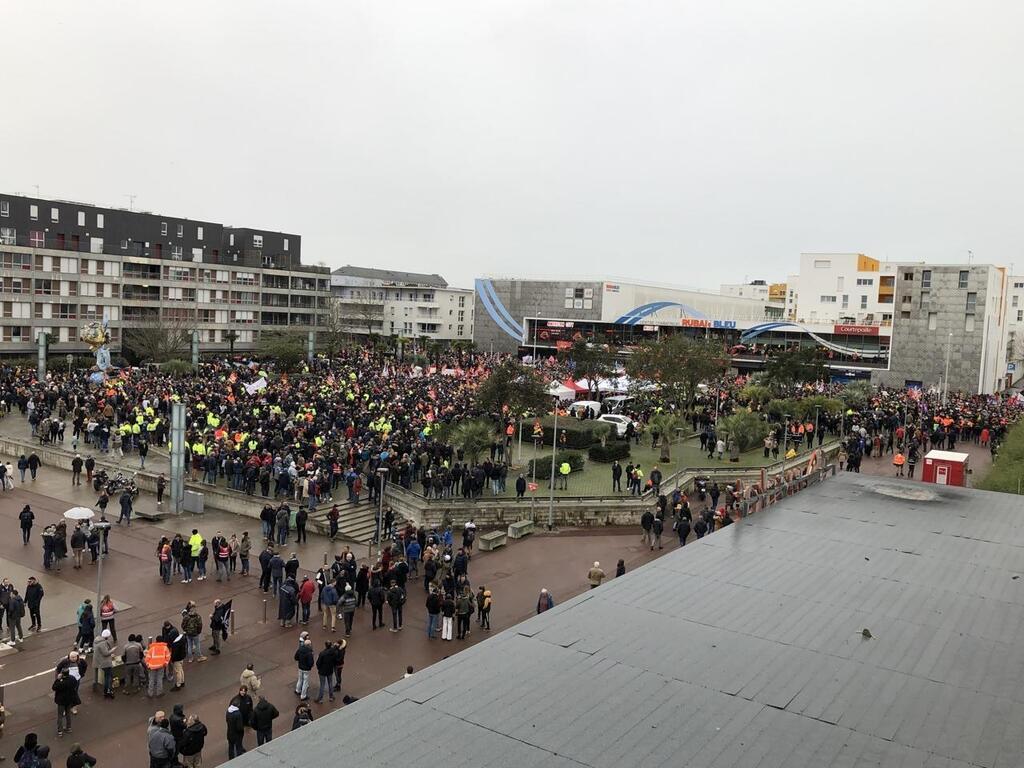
<point>326,661</point>
<point>287,602</point>
<point>193,741</point>
<point>30,745</point>
<point>25,517</point>
<point>79,758</point>
<point>177,722</point>
<point>265,557</point>
<point>235,730</point>
<point>303,716</point>
<point>263,716</point>
<point>34,601</point>
<point>65,696</point>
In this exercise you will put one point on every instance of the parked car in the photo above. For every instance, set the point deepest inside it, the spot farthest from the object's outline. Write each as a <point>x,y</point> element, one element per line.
<point>621,423</point>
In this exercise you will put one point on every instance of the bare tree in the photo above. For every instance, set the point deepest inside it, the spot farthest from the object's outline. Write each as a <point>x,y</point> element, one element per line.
<point>158,341</point>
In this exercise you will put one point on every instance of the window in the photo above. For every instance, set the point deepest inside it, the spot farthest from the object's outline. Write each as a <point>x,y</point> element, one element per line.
<point>908,299</point>
<point>839,284</point>
<point>1020,315</point>
<point>964,274</point>
<point>199,233</point>
<point>257,241</point>
<point>968,323</point>
<point>863,302</point>
<point>181,230</point>
<point>905,315</point>
<point>972,301</point>
<point>176,252</point>
<point>81,218</point>
<point>124,245</point>
<point>828,299</point>
<point>5,208</point>
<point>231,239</point>
<point>1018,285</point>
<point>163,228</point>
<point>933,320</point>
<point>822,264</point>
<point>1015,299</point>
<point>865,281</point>
<point>908,275</point>
<point>846,301</point>
<point>37,239</point>
<point>926,278</point>
<point>926,297</point>
<point>55,214</point>
<point>8,236</point>
<point>462,301</point>
<point>99,220</point>
<point>33,212</point>
<point>286,243</point>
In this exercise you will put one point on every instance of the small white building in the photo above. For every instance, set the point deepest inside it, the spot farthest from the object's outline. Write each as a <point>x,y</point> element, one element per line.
<point>407,304</point>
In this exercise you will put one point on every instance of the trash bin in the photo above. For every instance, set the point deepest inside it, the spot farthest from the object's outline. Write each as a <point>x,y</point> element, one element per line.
<point>193,502</point>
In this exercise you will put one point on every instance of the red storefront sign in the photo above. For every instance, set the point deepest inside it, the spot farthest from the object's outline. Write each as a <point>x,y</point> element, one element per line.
<point>856,330</point>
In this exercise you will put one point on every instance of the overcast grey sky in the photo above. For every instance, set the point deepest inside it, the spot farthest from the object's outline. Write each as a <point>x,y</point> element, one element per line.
<point>692,141</point>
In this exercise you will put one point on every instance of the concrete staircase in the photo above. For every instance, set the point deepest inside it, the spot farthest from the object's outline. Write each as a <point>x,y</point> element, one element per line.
<point>357,521</point>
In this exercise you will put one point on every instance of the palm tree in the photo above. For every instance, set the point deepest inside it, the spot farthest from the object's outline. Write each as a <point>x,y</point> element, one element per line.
<point>473,437</point>
<point>231,337</point>
<point>666,425</point>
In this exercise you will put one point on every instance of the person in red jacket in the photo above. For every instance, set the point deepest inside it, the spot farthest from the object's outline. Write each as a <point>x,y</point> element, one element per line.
<point>306,591</point>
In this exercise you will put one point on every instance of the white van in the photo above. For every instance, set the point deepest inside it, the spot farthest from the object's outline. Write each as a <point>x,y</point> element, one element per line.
<point>578,408</point>
<point>616,403</point>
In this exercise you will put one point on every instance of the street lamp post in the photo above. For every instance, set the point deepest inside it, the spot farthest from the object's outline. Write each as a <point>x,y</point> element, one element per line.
<point>785,436</point>
<point>551,490</point>
<point>382,473</point>
<point>103,527</point>
<point>817,411</point>
<point>945,388</point>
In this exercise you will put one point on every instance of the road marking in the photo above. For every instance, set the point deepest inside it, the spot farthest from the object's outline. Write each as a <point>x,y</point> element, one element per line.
<point>30,677</point>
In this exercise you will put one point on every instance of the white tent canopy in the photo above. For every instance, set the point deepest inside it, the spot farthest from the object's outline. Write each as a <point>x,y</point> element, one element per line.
<point>618,384</point>
<point>559,390</point>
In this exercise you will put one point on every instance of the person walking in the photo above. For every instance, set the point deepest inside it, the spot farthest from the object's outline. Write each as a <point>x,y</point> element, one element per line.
<point>306,591</point>
<point>86,627</point>
<point>485,610</point>
<point>304,662</point>
<point>65,696</point>
<point>646,528</point>
<point>595,575</point>
<point>33,466</point>
<point>249,679</point>
<point>126,508</point>
<point>657,527</point>
<point>161,486</point>
<point>220,617</point>
<point>347,608</point>
<point>103,657</point>
<point>263,716</point>
<point>244,550</point>
<point>25,519</point>
<point>192,742</point>
<point>34,601</point>
<point>78,542</point>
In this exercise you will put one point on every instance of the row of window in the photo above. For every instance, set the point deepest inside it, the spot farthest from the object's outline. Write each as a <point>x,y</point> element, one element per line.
<point>33,214</point>
<point>926,278</point>
<point>63,334</point>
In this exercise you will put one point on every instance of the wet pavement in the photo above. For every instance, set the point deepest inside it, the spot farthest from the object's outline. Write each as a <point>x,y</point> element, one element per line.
<point>114,731</point>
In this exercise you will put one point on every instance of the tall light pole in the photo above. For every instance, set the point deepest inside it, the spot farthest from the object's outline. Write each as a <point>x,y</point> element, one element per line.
<point>103,528</point>
<point>551,490</point>
<point>949,348</point>
<point>817,411</point>
<point>381,476</point>
<point>785,435</point>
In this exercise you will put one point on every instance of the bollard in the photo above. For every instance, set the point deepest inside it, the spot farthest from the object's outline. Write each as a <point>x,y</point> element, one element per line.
<point>264,611</point>
<point>233,620</point>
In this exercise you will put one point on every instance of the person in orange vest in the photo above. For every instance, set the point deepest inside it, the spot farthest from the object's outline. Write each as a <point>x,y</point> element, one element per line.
<point>158,656</point>
<point>898,461</point>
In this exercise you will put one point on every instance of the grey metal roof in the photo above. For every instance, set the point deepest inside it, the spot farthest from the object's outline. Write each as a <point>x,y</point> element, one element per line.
<point>744,649</point>
<point>410,278</point>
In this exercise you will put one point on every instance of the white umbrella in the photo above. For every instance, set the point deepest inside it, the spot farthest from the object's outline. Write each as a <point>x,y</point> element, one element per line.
<point>79,513</point>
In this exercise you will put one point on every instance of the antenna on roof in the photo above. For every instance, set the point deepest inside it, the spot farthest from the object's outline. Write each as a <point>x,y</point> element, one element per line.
<point>36,186</point>
<point>131,200</point>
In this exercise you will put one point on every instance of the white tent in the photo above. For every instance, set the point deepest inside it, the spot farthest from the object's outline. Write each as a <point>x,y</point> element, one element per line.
<point>559,390</point>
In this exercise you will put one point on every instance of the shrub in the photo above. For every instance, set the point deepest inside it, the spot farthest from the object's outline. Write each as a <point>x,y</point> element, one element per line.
<point>747,429</point>
<point>578,434</point>
<point>542,471</point>
<point>610,452</point>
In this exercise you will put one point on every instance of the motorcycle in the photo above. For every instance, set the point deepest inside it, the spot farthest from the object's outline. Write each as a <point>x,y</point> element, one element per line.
<point>99,480</point>
<point>702,488</point>
<point>119,484</point>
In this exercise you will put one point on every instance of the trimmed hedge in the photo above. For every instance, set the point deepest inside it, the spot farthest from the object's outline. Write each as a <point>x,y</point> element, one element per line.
<point>578,433</point>
<point>543,468</point>
<point>609,453</point>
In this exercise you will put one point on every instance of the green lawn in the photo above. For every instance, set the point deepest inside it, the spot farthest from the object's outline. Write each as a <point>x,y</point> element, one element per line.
<point>596,477</point>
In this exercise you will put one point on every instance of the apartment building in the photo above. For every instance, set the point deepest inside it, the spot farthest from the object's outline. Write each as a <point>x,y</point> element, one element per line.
<point>65,263</point>
<point>381,302</point>
<point>772,294</point>
<point>841,288</point>
<point>950,317</point>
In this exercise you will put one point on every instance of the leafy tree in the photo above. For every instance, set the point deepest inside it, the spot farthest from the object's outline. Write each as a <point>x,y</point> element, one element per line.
<point>285,348</point>
<point>795,366</point>
<point>677,364</point>
<point>857,394</point>
<point>231,337</point>
<point>593,362</point>
<point>666,424</point>
<point>514,385</point>
<point>756,394</point>
<point>748,430</point>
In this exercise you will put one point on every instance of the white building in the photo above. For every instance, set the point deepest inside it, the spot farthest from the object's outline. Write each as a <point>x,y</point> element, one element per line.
<point>406,304</point>
<point>842,288</point>
<point>1015,329</point>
